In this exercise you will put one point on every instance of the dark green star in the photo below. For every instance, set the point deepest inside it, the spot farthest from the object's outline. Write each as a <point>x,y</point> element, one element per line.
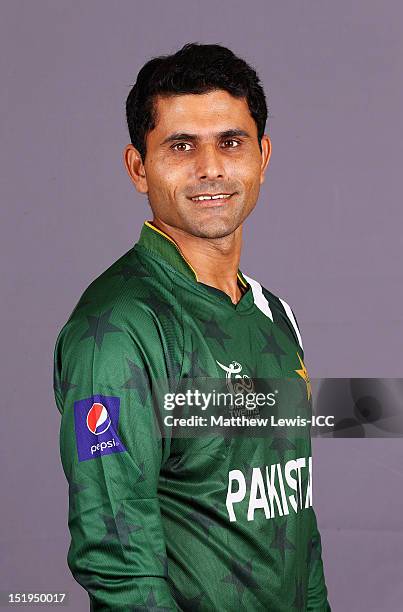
<point>227,441</point>
<point>128,271</point>
<point>164,561</point>
<point>174,369</point>
<point>160,307</point>
<point>281,445</point>
<point>313,552</point>
<point>88,581</point>
<point>151,605</point>
<point>82,303</point>
<point>213,330</point>
<point>117,528</point>
<point>241,577</point>
<point>272,346</point>
<point>138,380</point>
<point>198,517</point>
<point>142,476</point>
<point>99,326</point>
<point>195,370</point>
<point>187,603</point>
<point>74,489</point>
<point>62,386</point>
<point>299,601</point>
<point>280,540</point>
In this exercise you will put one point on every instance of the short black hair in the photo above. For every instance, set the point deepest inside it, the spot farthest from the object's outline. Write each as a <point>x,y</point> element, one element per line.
<point>194,69</point>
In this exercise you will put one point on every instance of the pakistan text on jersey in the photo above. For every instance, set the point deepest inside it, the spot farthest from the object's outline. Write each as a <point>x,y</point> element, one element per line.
<point>270,496</point>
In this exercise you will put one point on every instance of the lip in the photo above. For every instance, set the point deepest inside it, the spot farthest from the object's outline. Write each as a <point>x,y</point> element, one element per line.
<point>211,203</point>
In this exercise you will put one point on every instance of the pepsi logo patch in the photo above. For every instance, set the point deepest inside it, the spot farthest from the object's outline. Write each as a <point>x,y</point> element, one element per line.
<point>96,421</point>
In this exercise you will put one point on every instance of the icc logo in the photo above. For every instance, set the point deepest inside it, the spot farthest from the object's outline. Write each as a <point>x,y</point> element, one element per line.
<point>236,382</point>
<point>98,419</point>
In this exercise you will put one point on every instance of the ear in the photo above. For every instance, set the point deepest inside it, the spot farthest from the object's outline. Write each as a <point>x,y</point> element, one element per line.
<point>266,153</point>
<point>135,168</point>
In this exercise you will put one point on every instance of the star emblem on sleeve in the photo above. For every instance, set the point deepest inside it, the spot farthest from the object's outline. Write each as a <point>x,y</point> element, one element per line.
<point>138,380</point>
<point>151,605</point>
<point>117,528</point>
<point>62,386</point>
<point>128,271</point>
<point>98,326</point>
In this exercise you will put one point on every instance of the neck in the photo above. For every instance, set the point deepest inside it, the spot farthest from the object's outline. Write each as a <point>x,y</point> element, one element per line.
<point>215,260</point>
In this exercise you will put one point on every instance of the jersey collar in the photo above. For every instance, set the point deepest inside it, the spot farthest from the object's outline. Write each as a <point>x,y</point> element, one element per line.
<point>154,239</point>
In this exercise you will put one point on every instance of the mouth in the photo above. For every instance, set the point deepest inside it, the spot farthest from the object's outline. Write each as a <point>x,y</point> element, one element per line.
<point>212,199</point>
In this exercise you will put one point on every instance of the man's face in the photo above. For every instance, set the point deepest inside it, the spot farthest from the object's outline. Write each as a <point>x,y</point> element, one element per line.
<point>204,144</point>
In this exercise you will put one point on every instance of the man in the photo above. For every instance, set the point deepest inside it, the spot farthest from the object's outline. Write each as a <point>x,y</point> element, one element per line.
<point>158,521</point>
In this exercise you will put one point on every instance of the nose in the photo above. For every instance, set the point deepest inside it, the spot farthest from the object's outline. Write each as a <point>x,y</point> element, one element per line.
<point>209,164</point>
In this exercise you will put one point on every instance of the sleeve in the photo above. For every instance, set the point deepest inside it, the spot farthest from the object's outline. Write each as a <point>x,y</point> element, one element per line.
<point>112,450</point>
<point>317,600</point>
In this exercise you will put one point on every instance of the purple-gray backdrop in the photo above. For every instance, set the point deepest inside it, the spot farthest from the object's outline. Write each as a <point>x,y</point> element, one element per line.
<point>326,236</point>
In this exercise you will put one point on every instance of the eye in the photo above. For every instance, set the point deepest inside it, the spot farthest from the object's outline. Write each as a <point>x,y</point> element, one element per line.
<point>180,144</point>
<point>232,140</point>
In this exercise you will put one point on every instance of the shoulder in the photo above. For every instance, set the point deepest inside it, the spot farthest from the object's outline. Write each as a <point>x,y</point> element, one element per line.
<point>117,303</point>
<point>275,307</point>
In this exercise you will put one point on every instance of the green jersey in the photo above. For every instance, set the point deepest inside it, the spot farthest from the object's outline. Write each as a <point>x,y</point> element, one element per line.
<point>164,522</point>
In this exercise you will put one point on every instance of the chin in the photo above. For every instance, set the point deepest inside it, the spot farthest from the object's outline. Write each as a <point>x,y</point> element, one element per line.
<point>213,229</point>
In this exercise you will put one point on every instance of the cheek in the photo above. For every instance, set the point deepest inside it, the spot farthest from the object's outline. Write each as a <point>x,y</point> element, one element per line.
<point>169,175</point>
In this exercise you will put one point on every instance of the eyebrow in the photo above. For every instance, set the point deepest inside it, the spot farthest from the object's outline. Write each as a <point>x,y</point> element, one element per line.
<point>186,136</point>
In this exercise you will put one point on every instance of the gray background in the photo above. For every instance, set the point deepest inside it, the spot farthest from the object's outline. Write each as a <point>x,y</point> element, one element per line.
<point>326,236</point>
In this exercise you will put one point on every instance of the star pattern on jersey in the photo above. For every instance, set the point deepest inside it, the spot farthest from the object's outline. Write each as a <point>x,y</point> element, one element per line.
<point>163,559</point>
<point>98,326</point>
<point>174,370</point>
<point>313,550</point>
<point>160,307</point>
<point>227,441</point>
<point>151,605</point>
<point>74,489</point>
<point>88,581</point>
<point>62,386</point>
<point>142,476</point>
<point>299,600</point>
<point>138,380</point>
<point>187,603</point>
<point>195,369</point>
<point>272,347</point>
<point>118,528</point>
<point>214,331</point>
<point>280,541</point>
<point>241,577</point>
<point>82,304</point>
<point>128,271</point>
<point>281,444</point>
<point>200,518</point>
<point>303,372</point>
